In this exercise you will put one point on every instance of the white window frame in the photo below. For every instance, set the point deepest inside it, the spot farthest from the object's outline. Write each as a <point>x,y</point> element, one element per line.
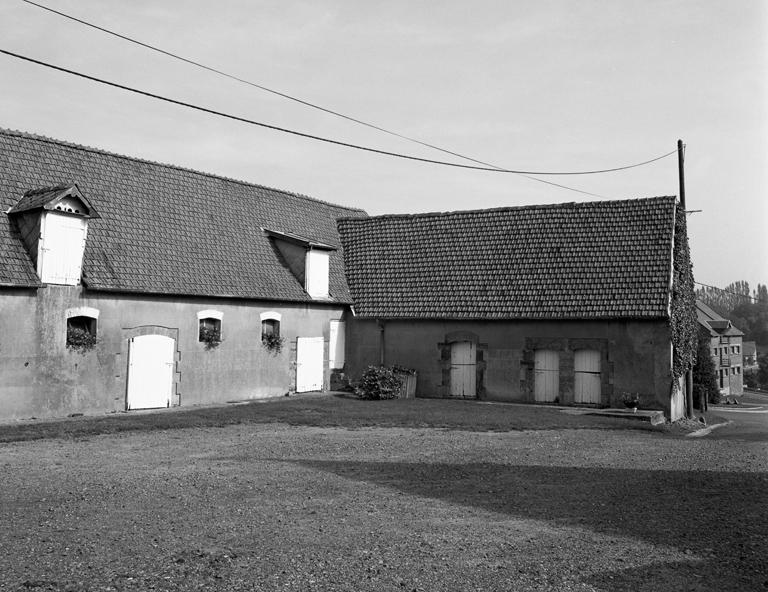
<point>83,311</point>
<point>210,314</point>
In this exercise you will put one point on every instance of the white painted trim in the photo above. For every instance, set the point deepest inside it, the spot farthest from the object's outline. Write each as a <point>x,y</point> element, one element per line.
<point>83,311</point>
<point>210,314</point>
<point>270,316</point>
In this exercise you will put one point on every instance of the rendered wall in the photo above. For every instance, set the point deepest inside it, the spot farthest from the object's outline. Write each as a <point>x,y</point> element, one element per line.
<point>635,356</point>
<point>41,377</point>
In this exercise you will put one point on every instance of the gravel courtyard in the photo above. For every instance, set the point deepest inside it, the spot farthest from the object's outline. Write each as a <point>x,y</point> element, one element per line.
<point>271,506</point>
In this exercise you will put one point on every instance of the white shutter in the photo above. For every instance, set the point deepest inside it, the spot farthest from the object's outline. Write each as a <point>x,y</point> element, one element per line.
<point>62,244</point>
<point>316,273</point>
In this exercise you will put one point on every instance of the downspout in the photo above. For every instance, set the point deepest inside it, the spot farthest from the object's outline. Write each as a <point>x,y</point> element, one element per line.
<point>381,324</point>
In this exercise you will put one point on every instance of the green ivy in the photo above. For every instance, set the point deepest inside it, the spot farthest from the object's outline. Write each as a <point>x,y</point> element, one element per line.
<point>682,320</point>
<point>211,337</point>
<point>272,343</point>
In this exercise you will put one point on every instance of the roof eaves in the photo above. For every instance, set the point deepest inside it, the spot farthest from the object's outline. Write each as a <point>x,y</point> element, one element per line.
<point>307,300</point>
<point>299,240</point>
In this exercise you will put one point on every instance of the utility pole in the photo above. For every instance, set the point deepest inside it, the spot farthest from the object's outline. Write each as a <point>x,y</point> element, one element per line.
<point>681,177</point>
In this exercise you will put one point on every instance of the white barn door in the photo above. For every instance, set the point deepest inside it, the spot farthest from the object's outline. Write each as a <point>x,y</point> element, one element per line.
<point>587,383</point>
<point>309,364</point>
<point>150,371</point>
<point>463,370</point>
<point>546,379</point>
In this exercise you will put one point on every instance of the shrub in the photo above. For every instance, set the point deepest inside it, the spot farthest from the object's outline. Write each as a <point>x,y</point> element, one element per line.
<point>704,374</point>
<point>630,400</point>
<point>210,336</point>
<point>378,382</point>
<point>750,379</point>
<point>80,340</point>
<point>273,343</point>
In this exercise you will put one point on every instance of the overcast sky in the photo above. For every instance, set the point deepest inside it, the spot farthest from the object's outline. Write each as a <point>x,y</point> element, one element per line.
<point>551,85</point>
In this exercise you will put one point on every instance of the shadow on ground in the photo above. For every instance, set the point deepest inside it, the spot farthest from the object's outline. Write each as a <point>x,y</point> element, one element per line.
<point>716,518</point>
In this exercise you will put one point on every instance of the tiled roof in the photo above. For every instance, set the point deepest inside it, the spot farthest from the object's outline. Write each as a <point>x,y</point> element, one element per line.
<point>166,229</point>
<point>609,259</point>
<point>714,323</point>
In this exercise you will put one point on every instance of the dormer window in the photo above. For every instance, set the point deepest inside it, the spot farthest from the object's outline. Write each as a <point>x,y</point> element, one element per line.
<point>53,223</point>
<point>308,260</point>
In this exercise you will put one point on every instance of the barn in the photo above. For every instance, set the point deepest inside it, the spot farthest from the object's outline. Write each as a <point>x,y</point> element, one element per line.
<point>570,304</point>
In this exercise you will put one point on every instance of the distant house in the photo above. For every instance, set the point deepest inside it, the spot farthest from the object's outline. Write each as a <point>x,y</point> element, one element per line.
<point>725,347</point>
<point>130,284</point>
<point>565,304</point>
<point>749,355</point>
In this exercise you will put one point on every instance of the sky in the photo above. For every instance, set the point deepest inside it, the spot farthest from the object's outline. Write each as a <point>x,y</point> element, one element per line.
<point>543,85</point>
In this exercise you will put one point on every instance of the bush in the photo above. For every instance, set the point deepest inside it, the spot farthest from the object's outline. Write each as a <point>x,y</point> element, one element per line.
<point>80,340</point>
<point>211,337</point>
<point>272,343</point>
<point>378,382</point>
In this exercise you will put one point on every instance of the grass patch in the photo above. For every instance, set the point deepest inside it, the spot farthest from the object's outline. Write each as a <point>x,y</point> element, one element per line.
<point>328,411</point>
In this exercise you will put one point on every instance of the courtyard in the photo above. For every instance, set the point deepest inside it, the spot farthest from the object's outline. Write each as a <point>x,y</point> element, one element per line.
<point>329,493</point>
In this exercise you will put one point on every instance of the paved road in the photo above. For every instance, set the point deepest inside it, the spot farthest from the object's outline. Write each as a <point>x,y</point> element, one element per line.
<point>749,421</point>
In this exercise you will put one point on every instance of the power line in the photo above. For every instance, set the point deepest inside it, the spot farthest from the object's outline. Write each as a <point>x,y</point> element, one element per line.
<point>312,136</point>
<point>728,292</point>
<point>296,99</point>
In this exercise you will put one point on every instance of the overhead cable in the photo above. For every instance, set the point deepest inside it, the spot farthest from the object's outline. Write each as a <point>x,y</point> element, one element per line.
<point>728,292</point>
<point>291,97</point>
<point>314,137</point>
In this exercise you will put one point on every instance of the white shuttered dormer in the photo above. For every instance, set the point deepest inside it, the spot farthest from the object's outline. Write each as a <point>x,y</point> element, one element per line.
<point>62,244</point>
<point>53,224</point>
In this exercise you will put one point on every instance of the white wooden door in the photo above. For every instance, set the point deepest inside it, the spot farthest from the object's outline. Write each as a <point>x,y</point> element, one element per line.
<point>150,371</point>
<point>309,364</point>
<point>336,343</point>
<point>463,369</point>
<point>546,380</point>
<point>587,383</point>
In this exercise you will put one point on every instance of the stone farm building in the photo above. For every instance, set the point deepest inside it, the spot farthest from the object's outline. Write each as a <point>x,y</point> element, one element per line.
<point>128,284</point>
<point>564,303</point>
<point>157,263</point>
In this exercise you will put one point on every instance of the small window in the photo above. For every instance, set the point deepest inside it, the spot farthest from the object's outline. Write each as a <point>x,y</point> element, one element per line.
<point>738,369</point>
<point>81,333</point>
<point>714,351</point>
<point>270,328</point>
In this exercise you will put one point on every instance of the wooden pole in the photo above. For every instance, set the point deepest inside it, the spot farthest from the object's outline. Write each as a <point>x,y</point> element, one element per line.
<point>681,170</point>
<point>681,178</point>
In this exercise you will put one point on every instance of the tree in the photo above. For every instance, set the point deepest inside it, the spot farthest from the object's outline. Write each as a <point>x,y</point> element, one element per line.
<point>762,371</point>
<point>704,376</point>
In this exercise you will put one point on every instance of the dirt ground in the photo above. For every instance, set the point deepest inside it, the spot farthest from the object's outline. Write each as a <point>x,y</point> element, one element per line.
<point>271,506</point>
